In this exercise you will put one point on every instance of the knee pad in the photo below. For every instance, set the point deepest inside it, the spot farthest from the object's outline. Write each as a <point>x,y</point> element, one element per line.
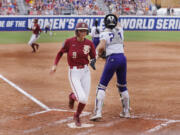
<point>29,43</point>
<point>121,87</point>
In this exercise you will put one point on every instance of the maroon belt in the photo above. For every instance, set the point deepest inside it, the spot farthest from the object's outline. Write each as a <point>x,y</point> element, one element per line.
<point>78,67</point>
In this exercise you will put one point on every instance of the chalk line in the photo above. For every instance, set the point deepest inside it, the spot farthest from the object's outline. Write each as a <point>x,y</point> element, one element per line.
<point>53,123</point>
<point>158,127</point>
<point>47,109</point>
<point>58,110</point>
<point>25,93</point>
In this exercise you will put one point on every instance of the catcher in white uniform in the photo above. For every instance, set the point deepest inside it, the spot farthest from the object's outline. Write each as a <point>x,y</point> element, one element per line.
<point>111,41</point>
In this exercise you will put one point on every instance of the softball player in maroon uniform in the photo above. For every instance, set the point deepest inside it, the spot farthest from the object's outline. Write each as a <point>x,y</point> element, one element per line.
<point>78,49</point>
<point>36,33</point>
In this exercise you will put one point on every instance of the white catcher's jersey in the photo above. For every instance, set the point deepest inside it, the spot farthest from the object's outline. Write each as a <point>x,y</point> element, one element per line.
<point>114,40</point>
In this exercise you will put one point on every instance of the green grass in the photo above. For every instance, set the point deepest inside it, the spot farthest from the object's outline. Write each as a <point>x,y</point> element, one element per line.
<point>23,37</point>
<point>158,36</point>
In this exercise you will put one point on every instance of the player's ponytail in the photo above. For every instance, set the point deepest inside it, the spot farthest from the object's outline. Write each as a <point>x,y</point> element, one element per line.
<point>96,24</point>
<point>97,30</point>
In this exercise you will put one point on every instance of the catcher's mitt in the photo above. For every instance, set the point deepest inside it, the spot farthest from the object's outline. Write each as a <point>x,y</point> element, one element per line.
<point>92,64</point>
<point>103,55</point>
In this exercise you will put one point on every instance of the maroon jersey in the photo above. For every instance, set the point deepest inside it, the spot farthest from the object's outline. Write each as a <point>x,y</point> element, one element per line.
<point>36,29</point>
<point>77,52</point>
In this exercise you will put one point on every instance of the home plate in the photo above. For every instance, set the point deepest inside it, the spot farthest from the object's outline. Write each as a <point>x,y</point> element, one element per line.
<point>73,125</point>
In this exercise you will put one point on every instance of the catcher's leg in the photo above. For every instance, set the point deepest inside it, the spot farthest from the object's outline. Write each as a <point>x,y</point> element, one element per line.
<point>124,95</point>
<point>100,95</point>
<point>107,74</point>
<point>121,84</point>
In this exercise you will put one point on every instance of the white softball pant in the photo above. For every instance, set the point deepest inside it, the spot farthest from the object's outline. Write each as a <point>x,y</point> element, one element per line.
<point>33,39</point>
<point>80,80</point>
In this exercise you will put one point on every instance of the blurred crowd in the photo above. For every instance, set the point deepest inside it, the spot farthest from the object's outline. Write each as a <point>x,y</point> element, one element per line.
<point>131,7</point>
<point>78,7</point>
<point>63,7</point>
<point>8,7</point>
<point>88,7</point>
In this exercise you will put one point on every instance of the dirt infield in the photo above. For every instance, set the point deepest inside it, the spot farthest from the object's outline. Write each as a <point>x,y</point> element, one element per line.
<point>153,83</point>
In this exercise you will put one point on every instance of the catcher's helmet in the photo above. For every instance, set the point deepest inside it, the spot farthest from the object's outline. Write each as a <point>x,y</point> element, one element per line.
<point>110,21</point>
<point>81,26</point>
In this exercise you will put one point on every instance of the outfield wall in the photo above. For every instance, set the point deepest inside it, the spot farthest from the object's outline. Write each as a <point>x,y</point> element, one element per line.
<point>63,23</point>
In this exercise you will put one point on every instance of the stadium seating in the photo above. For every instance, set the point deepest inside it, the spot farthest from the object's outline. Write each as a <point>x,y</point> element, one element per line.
<point>84,7</point>
<point>8,7</point>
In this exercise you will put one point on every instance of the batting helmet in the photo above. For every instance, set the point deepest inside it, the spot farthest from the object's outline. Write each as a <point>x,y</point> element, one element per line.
<point>35,20</point>
<point>81,26</point>
<point>110,21</point>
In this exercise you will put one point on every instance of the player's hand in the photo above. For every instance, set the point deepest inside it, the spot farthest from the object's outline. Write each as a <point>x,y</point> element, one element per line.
<point>53,69</point>
<point>92,64</point>
<point>102,55</point>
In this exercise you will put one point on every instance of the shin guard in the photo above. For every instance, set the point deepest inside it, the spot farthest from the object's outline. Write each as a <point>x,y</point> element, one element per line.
<point>100,95</point>
<point>124,95</point>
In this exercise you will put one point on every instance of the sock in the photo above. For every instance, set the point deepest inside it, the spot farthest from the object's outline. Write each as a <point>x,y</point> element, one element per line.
<point>99,101</point>
<point>72,95</point>
<point>80,109</point>
<point>125,100</point>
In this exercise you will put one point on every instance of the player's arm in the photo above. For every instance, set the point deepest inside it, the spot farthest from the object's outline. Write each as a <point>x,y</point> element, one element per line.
<point>101,47</point>
<point>93,57</point>
<point>58,57</point>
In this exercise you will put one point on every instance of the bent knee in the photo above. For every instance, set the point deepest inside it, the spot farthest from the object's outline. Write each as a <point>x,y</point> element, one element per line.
<point>30,43</point>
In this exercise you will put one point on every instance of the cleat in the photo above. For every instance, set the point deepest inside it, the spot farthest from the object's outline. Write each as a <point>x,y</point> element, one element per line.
<point>125,115</point>
<point>96,117</point>
<point>77,120</point>
<point>71,102</point>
